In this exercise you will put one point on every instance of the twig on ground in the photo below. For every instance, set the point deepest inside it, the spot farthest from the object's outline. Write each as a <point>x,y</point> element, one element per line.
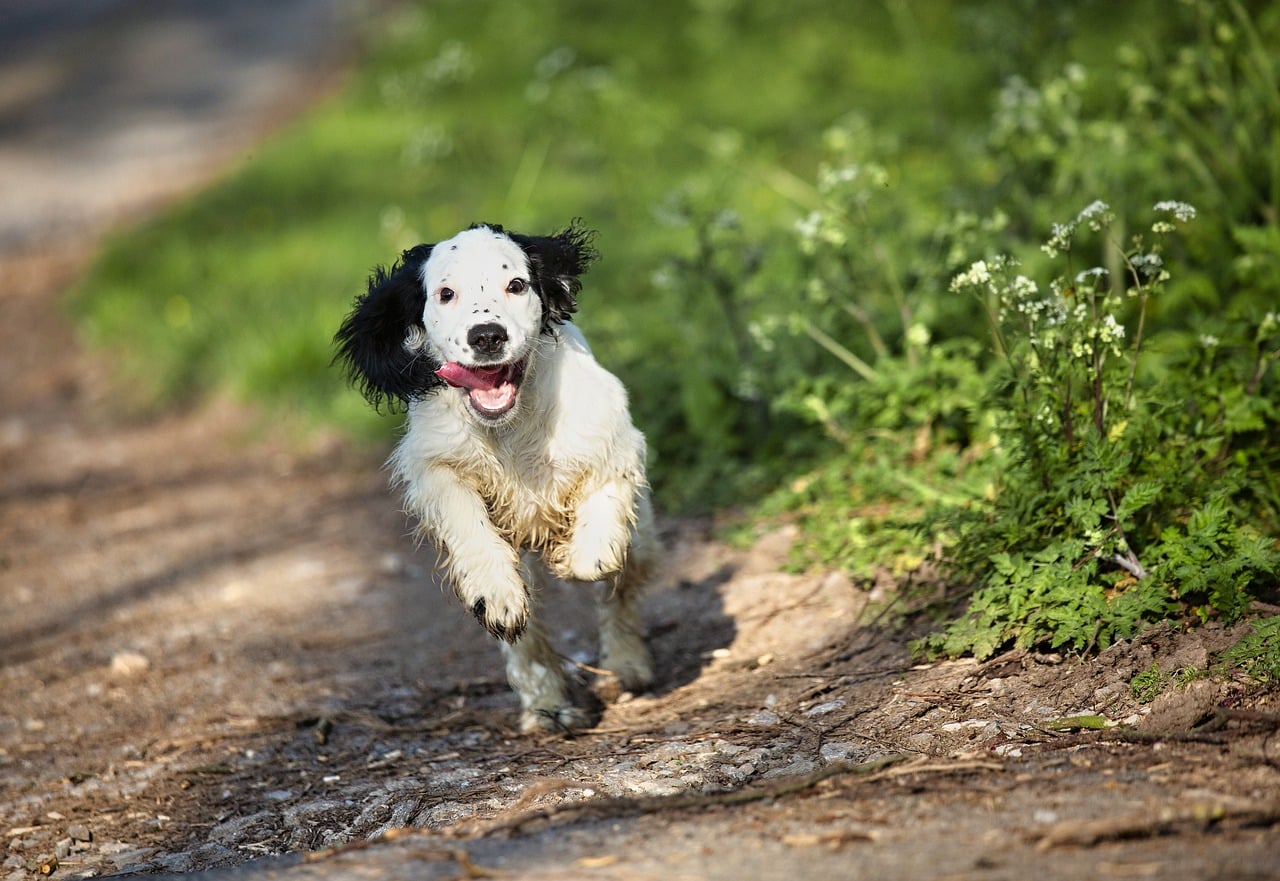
<point>1212,730</point>
<point>1087,833</point>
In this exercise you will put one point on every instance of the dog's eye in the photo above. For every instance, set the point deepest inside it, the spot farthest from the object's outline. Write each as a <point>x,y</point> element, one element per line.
<point>517,286</point>
<point>445,295</point>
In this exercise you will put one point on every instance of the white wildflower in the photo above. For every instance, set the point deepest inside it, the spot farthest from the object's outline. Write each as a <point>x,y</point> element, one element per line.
<point>1023,288</point>
<point>1096,215</point>
<point>1181,211</point>
<point>1060,240</point>
<point>1147,266</point>
<point>1111,330</point>
<point>1209,341</point>
<point>975,276</point>
<point>1094,275</point>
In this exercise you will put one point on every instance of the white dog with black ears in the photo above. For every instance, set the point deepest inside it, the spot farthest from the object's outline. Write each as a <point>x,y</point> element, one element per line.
<point>519,459</point>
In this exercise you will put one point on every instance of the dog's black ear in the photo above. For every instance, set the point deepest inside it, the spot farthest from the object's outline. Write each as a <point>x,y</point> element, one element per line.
<point>382,343</point>
<point>556,262</point>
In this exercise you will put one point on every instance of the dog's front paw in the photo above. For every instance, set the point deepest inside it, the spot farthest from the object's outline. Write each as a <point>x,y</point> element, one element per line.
<point>591,555</point>
<point>505,614</point>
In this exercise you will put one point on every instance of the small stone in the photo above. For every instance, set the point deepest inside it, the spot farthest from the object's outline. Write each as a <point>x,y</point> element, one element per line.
<point>129,663</point>
<point>838,751</point>
<point>795,769</point>
<point>764,718</point>
<point>176,862</point>
<point>79,832</point>
<point>923,742</point>
<point>823,709</point>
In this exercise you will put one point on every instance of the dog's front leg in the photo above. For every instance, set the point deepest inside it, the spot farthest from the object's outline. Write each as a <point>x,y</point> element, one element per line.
<point>602,532</point>
<point>483,568</point>
<point>613,540</point>
<point>536,671</point>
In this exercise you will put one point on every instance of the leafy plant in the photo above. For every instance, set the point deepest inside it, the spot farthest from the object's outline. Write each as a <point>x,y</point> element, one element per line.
<point>1257,655</point>
<point>1147,685</point>
<point>1121,497</point>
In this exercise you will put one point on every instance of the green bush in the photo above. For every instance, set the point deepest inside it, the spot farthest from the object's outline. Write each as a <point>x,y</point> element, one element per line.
<point>1123,497</point>
<point>1107,458</point>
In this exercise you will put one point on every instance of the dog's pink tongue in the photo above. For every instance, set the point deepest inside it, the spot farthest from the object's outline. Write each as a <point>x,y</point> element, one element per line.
<point>471,377</point>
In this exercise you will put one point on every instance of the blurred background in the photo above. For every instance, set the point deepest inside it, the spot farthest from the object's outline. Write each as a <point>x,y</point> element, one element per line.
<point>784,194</point>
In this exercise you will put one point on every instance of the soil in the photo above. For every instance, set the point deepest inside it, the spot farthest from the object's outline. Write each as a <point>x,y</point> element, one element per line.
<point>222,651</point>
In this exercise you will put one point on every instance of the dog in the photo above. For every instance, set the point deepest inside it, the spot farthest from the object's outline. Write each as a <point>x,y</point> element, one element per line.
<point>519,460</point>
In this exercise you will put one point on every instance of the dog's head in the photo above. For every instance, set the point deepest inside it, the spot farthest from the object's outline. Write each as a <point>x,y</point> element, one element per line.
<point>467,313</point>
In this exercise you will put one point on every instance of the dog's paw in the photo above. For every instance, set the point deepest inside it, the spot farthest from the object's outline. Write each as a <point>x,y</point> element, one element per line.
<point>556,720</point>
<point>591,555</point>
<point>505,615</point>
<point>629,671</point>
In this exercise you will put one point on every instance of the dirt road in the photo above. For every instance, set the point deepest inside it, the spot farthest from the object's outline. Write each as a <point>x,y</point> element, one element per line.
<point>222,654</point>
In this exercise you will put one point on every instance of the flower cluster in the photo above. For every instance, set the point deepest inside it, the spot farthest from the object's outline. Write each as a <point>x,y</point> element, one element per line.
<point>1096,216</point>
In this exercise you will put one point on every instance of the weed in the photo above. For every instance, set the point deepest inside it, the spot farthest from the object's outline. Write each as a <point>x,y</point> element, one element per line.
<point>1120,499</point>
<point>1257,655</point>
<point>1147,685</point>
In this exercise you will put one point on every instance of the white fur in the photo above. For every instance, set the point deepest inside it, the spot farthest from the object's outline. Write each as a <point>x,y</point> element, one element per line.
<point>555,487</point>
<point>476,266</point>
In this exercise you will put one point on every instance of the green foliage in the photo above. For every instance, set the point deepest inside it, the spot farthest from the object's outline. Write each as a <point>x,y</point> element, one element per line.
<point>1147,685</point>
<point>1125,426</point>
<point>1257,655</point>
<point>1121,497</point>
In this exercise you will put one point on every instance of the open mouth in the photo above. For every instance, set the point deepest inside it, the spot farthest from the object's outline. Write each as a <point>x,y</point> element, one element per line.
<point>490,388</point>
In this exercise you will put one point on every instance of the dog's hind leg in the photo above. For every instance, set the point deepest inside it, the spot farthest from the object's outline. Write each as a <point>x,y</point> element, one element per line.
<point>622,649</point>
<point>535,671</point>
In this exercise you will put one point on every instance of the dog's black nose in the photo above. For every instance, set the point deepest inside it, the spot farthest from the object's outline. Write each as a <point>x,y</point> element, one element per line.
<point>487,339</point>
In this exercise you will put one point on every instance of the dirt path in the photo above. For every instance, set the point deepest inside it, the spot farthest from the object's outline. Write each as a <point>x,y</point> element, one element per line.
<point>221,653</point>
